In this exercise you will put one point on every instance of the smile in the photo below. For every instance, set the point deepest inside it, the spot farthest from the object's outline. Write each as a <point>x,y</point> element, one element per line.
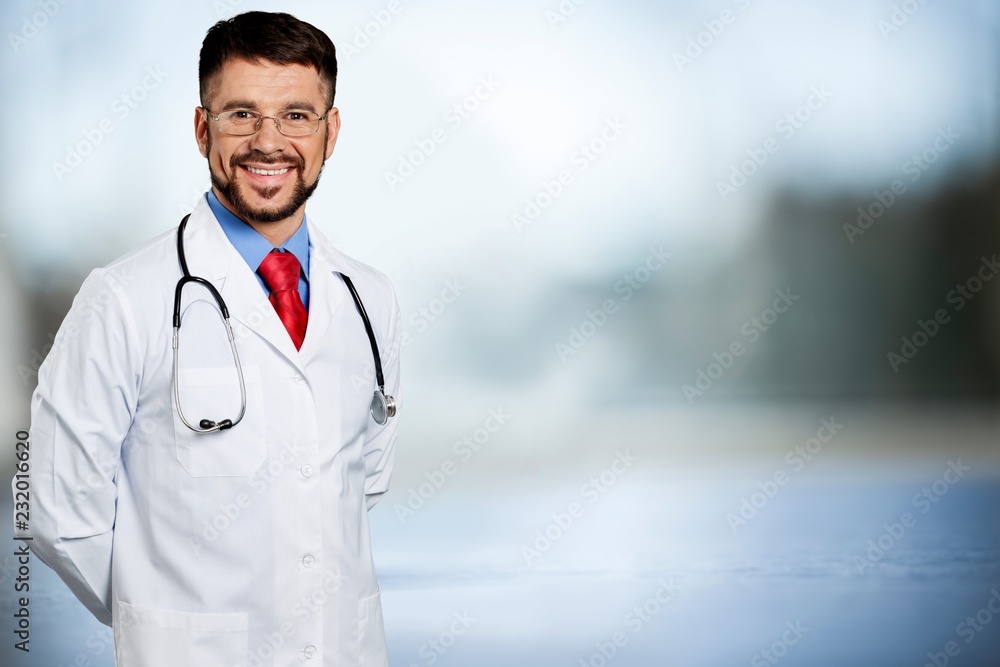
<point>267,172</point>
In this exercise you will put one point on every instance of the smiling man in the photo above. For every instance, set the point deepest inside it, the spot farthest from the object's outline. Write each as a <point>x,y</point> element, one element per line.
<point>204,450</point>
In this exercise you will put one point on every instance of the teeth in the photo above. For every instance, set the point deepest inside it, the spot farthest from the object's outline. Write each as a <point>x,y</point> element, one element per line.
<point>267,172</point>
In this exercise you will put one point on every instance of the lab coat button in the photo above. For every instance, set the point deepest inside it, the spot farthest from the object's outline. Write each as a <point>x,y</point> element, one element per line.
<point>309,652</point>
<point>306,470</point>
<point>298,378</point>
<point>308,560</point>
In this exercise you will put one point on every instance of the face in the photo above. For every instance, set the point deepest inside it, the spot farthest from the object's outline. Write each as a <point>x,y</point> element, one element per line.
<point>292,164</point>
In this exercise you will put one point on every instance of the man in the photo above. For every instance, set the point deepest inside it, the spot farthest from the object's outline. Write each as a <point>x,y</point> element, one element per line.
<point>246,545</point>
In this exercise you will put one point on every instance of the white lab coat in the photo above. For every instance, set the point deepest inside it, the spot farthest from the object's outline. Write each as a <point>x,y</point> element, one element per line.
<point>241,548</point>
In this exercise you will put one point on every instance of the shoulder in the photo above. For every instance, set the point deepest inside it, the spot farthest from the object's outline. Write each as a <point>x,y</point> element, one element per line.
<point>365,277</point>
<point>152,257</point>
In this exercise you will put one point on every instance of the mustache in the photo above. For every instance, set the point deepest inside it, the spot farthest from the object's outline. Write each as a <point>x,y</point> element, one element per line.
<point>262,158</point>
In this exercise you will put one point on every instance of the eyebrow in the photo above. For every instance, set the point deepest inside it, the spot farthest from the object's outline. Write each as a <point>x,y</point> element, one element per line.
<point>252,106</point>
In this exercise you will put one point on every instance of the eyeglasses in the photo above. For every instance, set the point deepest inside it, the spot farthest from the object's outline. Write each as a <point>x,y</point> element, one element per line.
<point>243,122</point>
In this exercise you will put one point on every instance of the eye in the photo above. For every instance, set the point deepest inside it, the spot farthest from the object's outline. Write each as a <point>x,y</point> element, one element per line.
<point>296,116</point>
<point>241,114</point>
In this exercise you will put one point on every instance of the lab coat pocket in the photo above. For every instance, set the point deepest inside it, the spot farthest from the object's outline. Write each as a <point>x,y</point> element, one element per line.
<point>147,637</point>
<point>214,393</point>
<point>371,629</point>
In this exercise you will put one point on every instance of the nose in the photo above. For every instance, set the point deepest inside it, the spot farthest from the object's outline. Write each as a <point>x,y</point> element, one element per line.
<point>267,138</point>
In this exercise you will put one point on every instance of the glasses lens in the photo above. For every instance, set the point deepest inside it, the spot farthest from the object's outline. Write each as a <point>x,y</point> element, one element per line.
<point>299,123</point>
<point>238,122</point>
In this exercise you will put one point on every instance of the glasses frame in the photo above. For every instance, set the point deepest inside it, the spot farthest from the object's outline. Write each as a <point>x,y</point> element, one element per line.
<point>260,122</point>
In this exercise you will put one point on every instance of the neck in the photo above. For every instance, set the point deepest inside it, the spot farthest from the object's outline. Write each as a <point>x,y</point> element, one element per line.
<point>276,232</point>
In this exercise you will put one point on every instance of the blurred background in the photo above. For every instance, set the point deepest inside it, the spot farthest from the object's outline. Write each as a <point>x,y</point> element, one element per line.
<point>722,273</point>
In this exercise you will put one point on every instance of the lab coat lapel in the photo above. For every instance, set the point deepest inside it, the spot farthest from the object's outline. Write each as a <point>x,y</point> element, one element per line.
<point>212,256</point>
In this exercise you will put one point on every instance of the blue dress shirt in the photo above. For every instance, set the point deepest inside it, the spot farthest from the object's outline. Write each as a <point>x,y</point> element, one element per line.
<point>253,247</point>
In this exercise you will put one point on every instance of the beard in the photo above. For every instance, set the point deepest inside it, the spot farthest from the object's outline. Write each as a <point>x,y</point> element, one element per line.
<point>234,192</point>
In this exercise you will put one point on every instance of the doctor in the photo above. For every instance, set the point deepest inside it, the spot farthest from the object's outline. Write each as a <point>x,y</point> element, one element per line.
<point>249,545</point>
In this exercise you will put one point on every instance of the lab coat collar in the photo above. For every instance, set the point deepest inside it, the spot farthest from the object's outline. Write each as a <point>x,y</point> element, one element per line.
<point>211,256</point>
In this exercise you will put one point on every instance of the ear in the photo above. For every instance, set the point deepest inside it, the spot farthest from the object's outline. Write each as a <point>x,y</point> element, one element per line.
<point>201,130</point>
<point>332,130</point>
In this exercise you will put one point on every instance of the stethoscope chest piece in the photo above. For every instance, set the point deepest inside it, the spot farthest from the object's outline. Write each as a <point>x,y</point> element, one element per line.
<point>383,407</point>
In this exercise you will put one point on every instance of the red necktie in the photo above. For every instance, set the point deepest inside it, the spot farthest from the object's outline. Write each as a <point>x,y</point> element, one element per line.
<point>280,271</point>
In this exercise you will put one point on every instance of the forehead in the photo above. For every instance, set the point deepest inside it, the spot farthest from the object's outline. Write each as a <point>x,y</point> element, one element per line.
<point>265,82</point>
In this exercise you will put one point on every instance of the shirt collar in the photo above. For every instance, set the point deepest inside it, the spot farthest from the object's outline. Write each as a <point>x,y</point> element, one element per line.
<point>251,245</point>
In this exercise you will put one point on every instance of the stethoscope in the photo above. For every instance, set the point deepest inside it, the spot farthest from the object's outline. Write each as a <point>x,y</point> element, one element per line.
<point>382,408</point>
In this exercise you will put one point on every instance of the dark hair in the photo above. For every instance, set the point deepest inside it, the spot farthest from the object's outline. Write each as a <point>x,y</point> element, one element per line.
<point>275,37</point>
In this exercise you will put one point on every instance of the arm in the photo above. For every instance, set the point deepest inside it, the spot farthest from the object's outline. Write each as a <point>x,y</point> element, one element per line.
<point>81,412</point>
<point>380,441</point>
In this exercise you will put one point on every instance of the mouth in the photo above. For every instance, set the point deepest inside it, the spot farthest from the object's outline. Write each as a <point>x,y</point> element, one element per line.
<point>267,176</point>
